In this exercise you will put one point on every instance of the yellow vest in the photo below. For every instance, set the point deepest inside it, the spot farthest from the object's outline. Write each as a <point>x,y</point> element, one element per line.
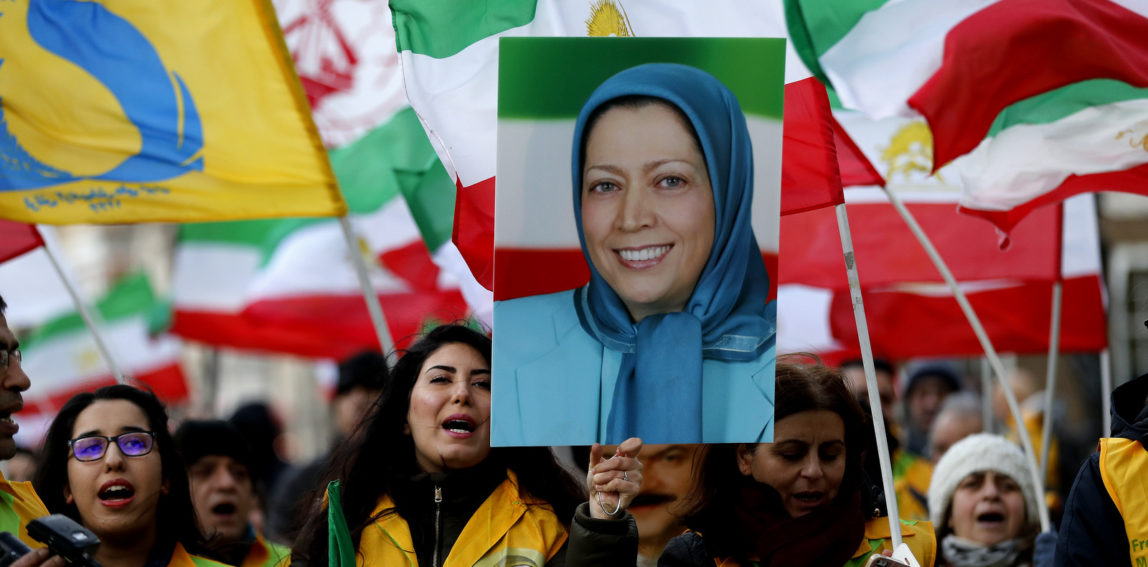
<point>918,535</point>
<point>19,504</point>
<point>181,558</point>
<point>911,477</point>
<point>265,554</point>
<point>1124,470</point>
<point>503,531</point>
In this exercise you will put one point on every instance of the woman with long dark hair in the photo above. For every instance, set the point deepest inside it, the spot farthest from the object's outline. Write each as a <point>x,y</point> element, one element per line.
<point>109,463</point>
<point>800,500</point>
<point>419,484</point>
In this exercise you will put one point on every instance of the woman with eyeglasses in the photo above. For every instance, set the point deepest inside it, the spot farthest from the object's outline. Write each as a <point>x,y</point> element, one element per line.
<point>109,463</point>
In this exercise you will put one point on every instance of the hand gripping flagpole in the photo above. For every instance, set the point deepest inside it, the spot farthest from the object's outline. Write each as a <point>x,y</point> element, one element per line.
<point>91,319</point>
<point>870,376</point>
<point>373,307</point>
<point>990,352</point>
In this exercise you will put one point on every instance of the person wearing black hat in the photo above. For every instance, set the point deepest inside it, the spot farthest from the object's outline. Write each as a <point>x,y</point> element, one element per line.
<point>219,468</point>
<point>925,390</point>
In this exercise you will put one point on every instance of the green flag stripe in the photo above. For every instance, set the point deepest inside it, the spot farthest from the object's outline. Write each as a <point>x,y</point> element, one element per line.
<point>442,28</point>
<point>815,26</point>
<point>132,296</point>
<point>1063,102</point>
<point>535,73</point>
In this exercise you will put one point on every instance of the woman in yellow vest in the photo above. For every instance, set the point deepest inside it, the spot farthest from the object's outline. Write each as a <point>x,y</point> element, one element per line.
<point>109,463</point>
<point>1106,514</point>
<point>984,505</point>
<point>800,500</point>
<point>419,484</point>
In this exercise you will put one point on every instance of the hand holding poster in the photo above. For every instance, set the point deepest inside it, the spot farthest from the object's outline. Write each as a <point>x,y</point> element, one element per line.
<point>660,326</point>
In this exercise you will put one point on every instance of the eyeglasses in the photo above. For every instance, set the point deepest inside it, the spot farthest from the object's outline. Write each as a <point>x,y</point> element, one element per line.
<point>7,356</point>
<point>92,448</point>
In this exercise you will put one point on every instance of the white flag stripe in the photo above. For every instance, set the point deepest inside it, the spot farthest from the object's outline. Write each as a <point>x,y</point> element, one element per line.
<point>1024,161</point>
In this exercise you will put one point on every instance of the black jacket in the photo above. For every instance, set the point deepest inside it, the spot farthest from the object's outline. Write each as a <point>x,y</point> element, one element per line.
<point>1092,531</point>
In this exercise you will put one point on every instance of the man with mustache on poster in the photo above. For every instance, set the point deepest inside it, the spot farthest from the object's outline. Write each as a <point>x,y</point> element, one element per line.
<point>665,481</point>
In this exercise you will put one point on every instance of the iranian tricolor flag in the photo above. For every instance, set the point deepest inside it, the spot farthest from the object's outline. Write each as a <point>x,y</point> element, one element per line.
<point>910,313</point>
<point>449,54</point>
<point>1048,96</point>
<point>289,285</point>
<point>62,358</point>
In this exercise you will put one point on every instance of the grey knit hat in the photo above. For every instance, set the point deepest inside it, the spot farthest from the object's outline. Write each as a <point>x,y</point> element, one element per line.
<point>977,453</point>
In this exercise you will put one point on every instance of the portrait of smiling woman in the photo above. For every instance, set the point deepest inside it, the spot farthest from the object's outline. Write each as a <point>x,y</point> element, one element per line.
<point>672,338</point>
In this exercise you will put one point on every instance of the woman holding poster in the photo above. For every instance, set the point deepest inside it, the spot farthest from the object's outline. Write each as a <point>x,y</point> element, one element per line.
<point>672,339</point>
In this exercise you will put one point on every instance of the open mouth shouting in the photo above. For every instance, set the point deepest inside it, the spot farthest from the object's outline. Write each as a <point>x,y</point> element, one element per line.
<point>116,493</point>
<point>460,426</point>
<point>8,426</point>
<point>643,257</point>
<point>991,520</point>
<point>809,500</point>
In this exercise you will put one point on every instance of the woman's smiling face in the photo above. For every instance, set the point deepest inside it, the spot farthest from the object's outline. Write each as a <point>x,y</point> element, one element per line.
<point>647,207</point>
<point>117,495</point>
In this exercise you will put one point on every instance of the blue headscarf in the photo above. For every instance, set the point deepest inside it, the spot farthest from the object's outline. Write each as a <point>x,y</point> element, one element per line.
<point>659,389</point>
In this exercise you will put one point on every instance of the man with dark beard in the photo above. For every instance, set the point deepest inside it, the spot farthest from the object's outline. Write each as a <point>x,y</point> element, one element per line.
<point>666,477</point>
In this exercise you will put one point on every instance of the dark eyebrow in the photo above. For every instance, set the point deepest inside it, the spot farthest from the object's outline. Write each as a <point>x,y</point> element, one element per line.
<point>124,429</point>
<point>479,371</point>
<point>450,369</point>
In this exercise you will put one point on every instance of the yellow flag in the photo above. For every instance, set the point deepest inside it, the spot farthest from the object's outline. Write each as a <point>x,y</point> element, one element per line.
<point>120,111</point>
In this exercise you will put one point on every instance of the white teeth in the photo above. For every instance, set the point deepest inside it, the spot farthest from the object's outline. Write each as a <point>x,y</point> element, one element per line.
<point>648,253</point>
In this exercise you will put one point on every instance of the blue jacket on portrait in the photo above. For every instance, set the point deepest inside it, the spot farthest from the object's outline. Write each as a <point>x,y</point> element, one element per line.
<point>554,383</point>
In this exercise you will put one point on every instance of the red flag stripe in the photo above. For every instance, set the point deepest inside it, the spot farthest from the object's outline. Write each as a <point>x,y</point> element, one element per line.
<point>1016,318</point>
<point>887,252</point>
<point>17,238</point>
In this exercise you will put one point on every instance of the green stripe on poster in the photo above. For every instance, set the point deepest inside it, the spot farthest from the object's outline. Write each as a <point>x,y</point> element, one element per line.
<point>550,78</point>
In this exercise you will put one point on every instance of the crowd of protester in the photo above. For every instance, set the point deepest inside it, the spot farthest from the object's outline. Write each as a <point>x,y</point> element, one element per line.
<point>411,478</point>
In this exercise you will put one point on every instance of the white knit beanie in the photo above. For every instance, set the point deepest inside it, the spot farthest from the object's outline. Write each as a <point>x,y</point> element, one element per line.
<point>976,453</point>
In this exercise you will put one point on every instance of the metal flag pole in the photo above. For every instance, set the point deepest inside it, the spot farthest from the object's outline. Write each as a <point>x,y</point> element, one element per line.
<point>1050,381</point>
<point>870,376</point>
<point>373,306</point>
<point>990,352</point>
<point>986,396</point>
<point>91,319</point>
<point>1106,392</point>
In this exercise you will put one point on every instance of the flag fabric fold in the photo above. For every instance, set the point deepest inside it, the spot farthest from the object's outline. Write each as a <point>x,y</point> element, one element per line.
<point>62,353</point>
<point>1026,101</point>
<point>450,64</point>
<point>289,285</point>
<point>16,239</point>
